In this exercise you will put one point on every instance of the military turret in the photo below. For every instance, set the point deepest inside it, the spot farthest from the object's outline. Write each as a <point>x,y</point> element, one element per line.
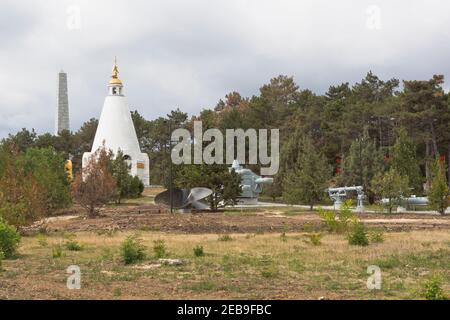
<point>251,184</point>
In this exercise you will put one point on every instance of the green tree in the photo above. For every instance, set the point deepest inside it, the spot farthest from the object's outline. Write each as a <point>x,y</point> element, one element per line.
<point>307,182</point>
<point>47,167</point>
<point>22,198</point>
<point>128,186</point>
<point>438,193</point>
<point>361,164</point>
<point>392,186</point>
<point>119,170</point>
<point>404,160</point>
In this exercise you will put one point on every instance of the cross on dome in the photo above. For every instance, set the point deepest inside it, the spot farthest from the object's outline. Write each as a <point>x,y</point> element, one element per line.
<point>115,74</point>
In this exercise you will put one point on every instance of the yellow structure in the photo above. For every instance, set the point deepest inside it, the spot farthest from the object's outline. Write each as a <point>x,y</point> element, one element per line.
<point>68,168</point>
<point>115,74</point>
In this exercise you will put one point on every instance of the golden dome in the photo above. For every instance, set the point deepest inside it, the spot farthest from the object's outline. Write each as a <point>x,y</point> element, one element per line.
<point>115,73</point>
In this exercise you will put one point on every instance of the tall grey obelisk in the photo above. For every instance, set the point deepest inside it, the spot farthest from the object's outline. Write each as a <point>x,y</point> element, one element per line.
<point>62,107</point>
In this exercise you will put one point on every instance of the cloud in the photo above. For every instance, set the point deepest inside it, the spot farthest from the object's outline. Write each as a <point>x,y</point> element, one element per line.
<point>189,54</point>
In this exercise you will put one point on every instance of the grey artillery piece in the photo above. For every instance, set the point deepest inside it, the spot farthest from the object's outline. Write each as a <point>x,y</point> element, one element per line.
<point>251,184</point>
<point>337,194</point>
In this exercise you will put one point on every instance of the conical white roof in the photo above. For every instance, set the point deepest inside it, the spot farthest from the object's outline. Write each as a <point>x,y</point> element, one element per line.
<point>115,127</point>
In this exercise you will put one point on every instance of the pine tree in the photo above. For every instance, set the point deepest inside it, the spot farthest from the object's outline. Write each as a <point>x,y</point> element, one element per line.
<point>361,164</point>
<point>306,183</point>
<point>119,170</point>
<point>404,160</point>
<point>438,193</point>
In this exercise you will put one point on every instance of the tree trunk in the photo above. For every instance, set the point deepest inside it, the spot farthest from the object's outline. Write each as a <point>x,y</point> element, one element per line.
<point>434,140</point>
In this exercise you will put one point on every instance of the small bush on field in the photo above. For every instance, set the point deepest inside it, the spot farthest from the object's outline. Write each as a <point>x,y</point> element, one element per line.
<point>308,227</point>
<point>432,289</point>
<point>73,245</point>
<point>57,251</point>
<point>338,222</point>
<point>198,251</point>
<point>283,237</point>
<point>9,239</point>
<point>225,237</point>
<point>269,272</point>
<point>132,250</point>
<point>376,236</point>
<point>314,238</point>
<point>42,240</point>
<point>358,236</point>
<point>159,248</point>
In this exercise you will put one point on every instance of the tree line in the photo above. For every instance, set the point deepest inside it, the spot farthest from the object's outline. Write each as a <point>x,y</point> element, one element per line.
<point>375,133</point>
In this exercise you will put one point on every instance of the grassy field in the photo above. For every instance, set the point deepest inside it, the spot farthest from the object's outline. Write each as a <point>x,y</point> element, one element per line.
<point>265,265</point>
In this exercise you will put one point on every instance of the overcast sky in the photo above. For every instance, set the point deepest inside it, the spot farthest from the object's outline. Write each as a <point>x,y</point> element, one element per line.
<point>190,53</point>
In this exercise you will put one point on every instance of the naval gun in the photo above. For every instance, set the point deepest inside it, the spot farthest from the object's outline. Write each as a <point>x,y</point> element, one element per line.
<point>251,184</point>
<point>337,194</point>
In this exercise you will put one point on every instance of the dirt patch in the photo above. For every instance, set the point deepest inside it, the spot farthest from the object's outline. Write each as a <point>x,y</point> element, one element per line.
<point>151,217</point>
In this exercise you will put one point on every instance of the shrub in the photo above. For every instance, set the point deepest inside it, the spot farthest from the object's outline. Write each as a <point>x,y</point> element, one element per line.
<point>85,188</point>
<point>358,235</point>
<point>198,251</point>
<point>283,237</point>
<point>432,289</point>
<point>338,222</point>
<point>159,248</point>
<point>132,249</point>
<point>314,238</point>
<point>73,245</point>
<point>42,240</point>
<point>225,237</point>
<point>57,251</point>
<point>9,239</point>
<point>376,235</point>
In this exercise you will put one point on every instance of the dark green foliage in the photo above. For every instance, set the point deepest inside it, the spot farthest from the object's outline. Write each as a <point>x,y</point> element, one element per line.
<point>132,250</point>
<point>439,190</point>
<point>358,235</point>
<point>47,167</point>
<point>404,160</point>
<point>9,239</point>
<point>363,161</point>
<point>306,182</point>
<point>198,251</point>
<point>127,186</point>
<point>73,245</point>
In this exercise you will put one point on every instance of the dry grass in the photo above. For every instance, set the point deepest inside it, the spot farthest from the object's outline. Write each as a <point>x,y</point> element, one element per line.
<point>249,266</point>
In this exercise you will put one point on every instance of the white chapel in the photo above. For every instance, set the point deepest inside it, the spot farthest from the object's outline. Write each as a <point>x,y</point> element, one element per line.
<point>116,131</point>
